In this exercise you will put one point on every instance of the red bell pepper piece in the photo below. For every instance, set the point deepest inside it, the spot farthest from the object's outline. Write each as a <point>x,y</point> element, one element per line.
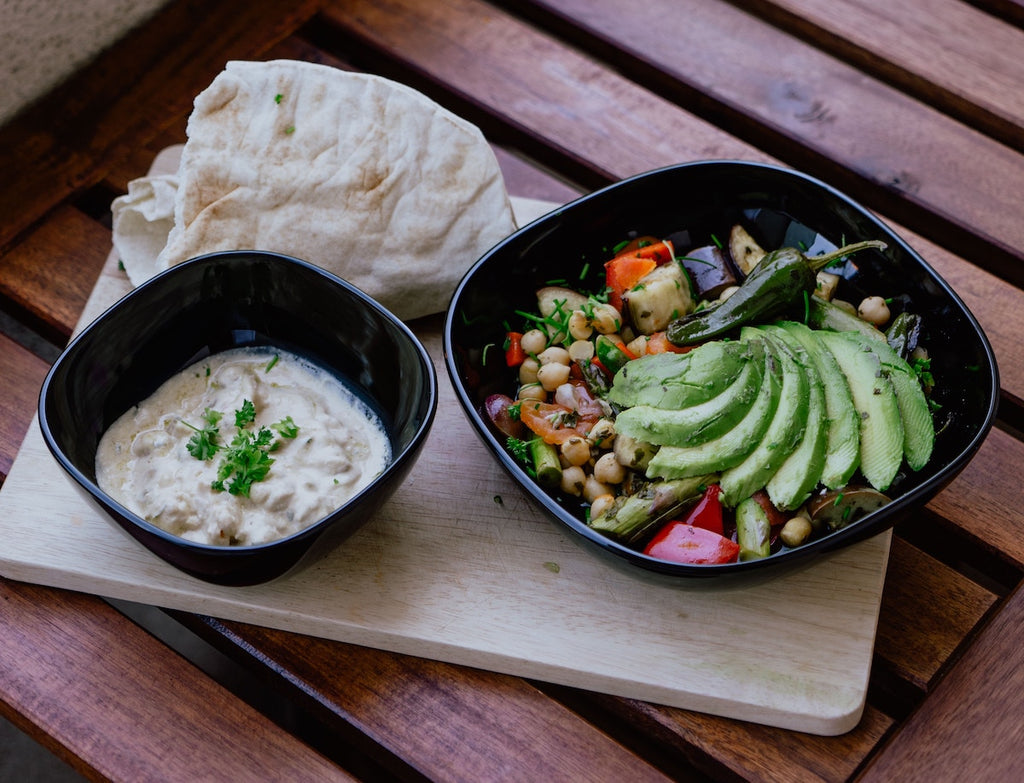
<point>708,511</point>
<point>514,354</point>
<point>679,542</point>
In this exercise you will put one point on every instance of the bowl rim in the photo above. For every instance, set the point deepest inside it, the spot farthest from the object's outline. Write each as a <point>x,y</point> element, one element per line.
<point>396,463</point>
<point>860,529</point>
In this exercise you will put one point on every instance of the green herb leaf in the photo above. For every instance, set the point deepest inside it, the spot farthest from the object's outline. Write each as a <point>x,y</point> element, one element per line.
<point>246,414</point>
<point>286,428</point>
<point>203,443</point>
<point>247,458</point>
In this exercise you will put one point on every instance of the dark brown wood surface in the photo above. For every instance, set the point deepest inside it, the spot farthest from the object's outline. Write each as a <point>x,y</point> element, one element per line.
<point>919,120</point>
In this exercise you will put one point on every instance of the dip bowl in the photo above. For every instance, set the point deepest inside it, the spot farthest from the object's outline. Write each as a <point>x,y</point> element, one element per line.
<point>783,208</point>
<point>214,303</point>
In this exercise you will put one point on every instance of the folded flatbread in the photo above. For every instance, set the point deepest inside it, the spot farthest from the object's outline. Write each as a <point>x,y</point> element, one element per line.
<point>355,173</point>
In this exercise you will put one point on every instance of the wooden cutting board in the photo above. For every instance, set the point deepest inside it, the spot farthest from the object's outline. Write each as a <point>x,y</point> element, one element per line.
<point>460,566</point>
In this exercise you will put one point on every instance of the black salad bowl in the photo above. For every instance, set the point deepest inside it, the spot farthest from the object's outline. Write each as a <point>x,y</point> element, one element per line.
<point>783,208</point>
<point>214,303</point>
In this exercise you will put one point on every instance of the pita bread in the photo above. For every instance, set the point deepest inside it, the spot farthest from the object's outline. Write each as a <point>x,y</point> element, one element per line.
<point>355,173</point>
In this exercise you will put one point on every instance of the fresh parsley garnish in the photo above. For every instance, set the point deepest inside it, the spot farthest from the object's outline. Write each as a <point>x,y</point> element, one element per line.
<point>203,443</point>
<point>247,458</point>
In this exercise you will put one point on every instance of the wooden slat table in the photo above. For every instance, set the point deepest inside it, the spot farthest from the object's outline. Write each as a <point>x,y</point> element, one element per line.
<point>915,109</point>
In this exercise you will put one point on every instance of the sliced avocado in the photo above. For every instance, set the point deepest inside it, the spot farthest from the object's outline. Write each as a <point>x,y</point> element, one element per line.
<point>731,448</point>
<point>918,426</point>
<point>678,380</point>
<point>697,423</point>
<point>781,437</point>
<point>881,427</point>
<point>797,477</point>
<point>842,451</point>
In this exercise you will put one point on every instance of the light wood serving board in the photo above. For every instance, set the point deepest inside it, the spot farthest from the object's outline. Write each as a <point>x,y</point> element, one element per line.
<point>460,566</point>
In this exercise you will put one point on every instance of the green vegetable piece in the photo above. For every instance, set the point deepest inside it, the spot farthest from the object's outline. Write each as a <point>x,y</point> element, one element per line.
<point>753,530</point>
<point>698,423</point>
<point>631,517</point>
<point>780,279</point>
<point>918,426</point>
<point>881,426</point>
<point>609,353</point>
<point>842,449</point>
<point>903,334</point>
<point>732,448</point>
<point>546,463</point>
<point>678,380</point>
<point>797,477</point>
<point>781,437</point>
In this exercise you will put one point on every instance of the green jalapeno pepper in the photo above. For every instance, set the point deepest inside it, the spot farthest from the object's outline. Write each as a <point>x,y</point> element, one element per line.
<point>778,281</point>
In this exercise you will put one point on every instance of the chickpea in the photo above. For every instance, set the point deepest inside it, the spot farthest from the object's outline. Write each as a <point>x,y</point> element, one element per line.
<point>554,355</point>
<point>534,341</point>
<point>638,345</point>
<point>874,310</point>
<point>727,292</point>
<point>532,391</point>
<point>528,370</point>
<point>593,489</point>
<point>573,479</point>
<point>552,375</point>
<point>602,434</point>
<point>581,351</point>
<point>796,531</point>
<point>601,504</point>
<point>607,469</point>
<point>576,450</point>
<point>606,319</point>
<point>579,326</point>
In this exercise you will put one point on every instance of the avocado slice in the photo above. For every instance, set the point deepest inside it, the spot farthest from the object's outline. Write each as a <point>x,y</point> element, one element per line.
<point>842,450</point>
<point>918,426</point>
<point>881,426</point>
<point>781,437</point>
<point>697,423</point>
<point>797,477</point>
<point>730,449</point>
<point>679,380</point>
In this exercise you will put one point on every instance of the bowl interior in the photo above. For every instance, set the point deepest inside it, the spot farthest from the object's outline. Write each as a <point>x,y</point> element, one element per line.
<point>782,208</point>
<point>222,301</point>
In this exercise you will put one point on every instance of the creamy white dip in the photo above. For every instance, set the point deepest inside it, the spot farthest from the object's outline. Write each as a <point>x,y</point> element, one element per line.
<point>143,461</point>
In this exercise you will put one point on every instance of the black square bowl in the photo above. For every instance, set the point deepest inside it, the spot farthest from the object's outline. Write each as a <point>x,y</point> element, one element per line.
<point>214,303</point>
<point>785,208</point>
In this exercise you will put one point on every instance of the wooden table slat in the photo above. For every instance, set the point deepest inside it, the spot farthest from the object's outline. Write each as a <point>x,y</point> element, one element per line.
<point>945,52</point>
<point>114,703</point>
<point>457,723</point>
<point>927,611</point>
<point>970,726</point>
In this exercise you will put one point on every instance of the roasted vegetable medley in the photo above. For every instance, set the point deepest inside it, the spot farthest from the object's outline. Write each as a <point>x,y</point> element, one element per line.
<point>718,403</point>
